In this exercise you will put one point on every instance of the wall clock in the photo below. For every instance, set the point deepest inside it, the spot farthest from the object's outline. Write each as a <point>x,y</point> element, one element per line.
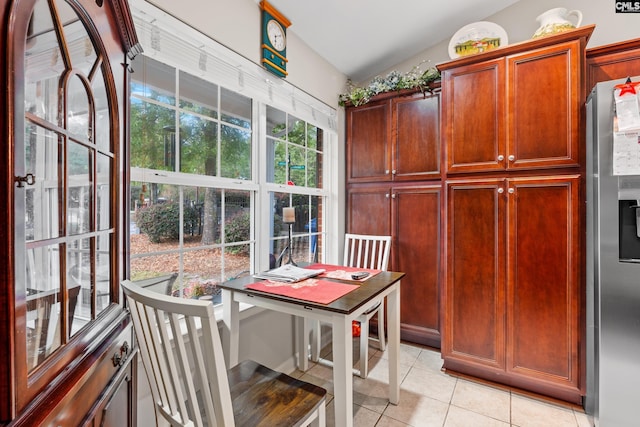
<point>274,40</point>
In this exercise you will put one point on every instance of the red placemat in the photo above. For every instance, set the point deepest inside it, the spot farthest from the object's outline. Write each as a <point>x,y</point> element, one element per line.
<point>314,290</point>
<point>341,272</point>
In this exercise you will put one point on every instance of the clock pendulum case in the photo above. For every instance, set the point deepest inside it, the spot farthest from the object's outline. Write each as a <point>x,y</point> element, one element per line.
<point>274,40</point>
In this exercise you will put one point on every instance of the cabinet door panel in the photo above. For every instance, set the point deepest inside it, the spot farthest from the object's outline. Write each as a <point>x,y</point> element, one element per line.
<point>417,137</point>
<point>473,108</point>
<point>544,102</point>
<point>369,211</point>
<point>543,279</point>
<point>368,134</point>
<point>416,251</point>
<point>475,290</point>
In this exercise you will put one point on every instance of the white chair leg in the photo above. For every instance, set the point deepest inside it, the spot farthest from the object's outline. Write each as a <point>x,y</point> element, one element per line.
<point>320,420</point>
<point>322,416</point>
<point>364,347</point>
<point>381,337</point>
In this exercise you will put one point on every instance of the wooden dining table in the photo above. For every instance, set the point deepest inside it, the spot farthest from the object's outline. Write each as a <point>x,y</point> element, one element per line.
<point>340,313</point>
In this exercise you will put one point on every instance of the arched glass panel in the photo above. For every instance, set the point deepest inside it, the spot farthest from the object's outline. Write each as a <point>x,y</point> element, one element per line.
<point>67,198</point>
<point>101,125</point>
<point>78,109</point>
<point>82,54</point>
<point>43,65</point>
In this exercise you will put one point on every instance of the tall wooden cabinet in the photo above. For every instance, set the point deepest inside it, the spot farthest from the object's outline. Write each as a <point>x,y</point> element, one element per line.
<point>67,354</point>
<point>513,298</point>
<point>394,139</point>
<point>516,112</point>
<point>394,188</point>
<point>513,294</point>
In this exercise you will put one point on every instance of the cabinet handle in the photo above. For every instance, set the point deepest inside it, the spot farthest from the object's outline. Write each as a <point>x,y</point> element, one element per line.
<point>512,158</point>
<point>120,358</point>
<point>500,157</point>
<point>393,172</point>
<point>386,195</point>
<point>393,196</point>
<point>500,190</point>
<point>511,191</point>
<point>386,172</point>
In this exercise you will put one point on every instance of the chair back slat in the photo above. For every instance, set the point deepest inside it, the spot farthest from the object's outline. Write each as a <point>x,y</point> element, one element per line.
<point>367,251</point>
<point>150,357</point>
<point>181,350</point>
<point>159,337</point>
<point>199,363</point>
<point>178,362</point>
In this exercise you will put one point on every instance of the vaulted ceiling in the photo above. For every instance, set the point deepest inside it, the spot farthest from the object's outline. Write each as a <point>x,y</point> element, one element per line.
<point>362,38</point>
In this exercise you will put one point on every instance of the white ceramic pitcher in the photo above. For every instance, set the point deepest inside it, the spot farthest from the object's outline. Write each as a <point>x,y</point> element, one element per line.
<point>556,20</point>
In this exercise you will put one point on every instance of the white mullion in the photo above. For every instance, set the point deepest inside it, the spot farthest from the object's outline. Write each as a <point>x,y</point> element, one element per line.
<point>192,180</point>
<point>258,173</point>
<point>254,250</point>
<point>219,134</point>
<point>181,236</point>
<point>176,123</point>
<point>223,239</point>
<point>263,234</point>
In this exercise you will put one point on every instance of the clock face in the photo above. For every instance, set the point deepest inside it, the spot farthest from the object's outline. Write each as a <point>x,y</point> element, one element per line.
<point>276,35</point>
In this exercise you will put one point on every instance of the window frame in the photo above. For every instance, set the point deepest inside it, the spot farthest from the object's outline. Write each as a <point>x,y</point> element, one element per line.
<point>258,186</point>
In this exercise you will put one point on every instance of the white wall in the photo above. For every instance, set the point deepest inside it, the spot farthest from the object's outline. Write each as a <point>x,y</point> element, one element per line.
<point>519,21</point>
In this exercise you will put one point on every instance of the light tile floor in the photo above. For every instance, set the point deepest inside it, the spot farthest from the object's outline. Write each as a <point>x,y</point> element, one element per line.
<point>430,397</point>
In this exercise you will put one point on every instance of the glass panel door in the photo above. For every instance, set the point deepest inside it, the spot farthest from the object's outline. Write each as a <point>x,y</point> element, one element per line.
<point>66,192</point>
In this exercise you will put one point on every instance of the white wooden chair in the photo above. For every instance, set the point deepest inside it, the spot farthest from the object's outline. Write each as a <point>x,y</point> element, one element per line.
<point>190,385</point>
<point>362,251</point>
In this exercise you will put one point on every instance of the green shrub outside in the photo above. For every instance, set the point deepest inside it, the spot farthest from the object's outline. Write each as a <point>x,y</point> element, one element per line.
<point>161,221</point>
<point>238,229</point>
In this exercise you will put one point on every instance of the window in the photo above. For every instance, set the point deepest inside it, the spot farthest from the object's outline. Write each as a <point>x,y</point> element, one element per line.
<point>189,132</point>
<point>218,148</point>
<point>294,158</point>
<point>191,158</point>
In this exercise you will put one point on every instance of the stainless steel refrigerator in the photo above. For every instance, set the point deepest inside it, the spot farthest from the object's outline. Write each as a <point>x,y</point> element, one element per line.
<point>613,267</point>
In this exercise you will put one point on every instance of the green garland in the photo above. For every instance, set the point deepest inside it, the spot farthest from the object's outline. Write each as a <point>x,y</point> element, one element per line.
<point>393,81</point>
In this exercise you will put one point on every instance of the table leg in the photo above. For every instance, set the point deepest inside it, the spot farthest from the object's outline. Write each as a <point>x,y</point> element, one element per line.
<point>302,341</point>
<point>316,342</point>
<point>393,325</point>
<point>342,371</point>
<point>230,328</point>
